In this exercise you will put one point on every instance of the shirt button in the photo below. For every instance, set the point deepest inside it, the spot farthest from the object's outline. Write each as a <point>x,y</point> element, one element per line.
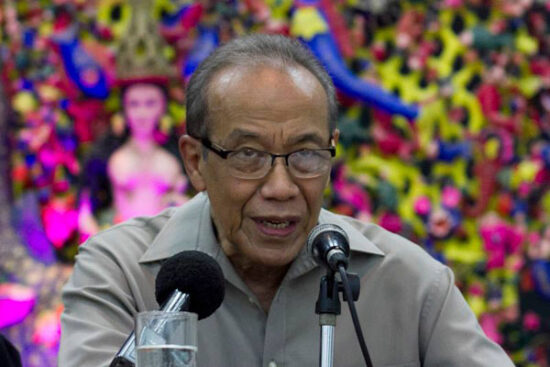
<point>272,364</point>
<point>251,300</point>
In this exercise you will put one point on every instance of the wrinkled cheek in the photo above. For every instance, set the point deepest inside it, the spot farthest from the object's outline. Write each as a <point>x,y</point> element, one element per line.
<point>228,221</point>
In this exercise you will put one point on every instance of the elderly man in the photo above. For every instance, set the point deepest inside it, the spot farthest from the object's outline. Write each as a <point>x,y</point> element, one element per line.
<point>261,134</point>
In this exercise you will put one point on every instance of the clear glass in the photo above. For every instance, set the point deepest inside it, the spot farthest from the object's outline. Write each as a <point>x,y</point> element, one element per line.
<point>166,339</point>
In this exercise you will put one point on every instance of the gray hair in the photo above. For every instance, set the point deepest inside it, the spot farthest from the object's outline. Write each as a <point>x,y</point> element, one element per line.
<point>252,50</point>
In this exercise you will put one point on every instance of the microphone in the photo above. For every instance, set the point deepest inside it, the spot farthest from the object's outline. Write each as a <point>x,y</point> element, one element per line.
<point>328,244</point>
<point>188,281</point>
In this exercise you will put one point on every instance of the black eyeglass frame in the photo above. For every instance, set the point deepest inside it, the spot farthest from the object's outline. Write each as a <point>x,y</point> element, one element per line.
<point>224,153</point>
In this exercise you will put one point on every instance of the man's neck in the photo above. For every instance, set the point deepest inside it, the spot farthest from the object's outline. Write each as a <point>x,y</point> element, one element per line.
<point>263,281</point>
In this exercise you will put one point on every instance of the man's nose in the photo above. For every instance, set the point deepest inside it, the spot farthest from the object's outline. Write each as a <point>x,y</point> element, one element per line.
<point>279,184</point>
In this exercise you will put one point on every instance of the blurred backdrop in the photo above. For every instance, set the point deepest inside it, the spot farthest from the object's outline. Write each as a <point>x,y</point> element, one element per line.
<point>445,138</point>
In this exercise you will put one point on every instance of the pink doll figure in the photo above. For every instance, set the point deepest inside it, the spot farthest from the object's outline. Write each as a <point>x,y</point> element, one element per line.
<point>145,178</point>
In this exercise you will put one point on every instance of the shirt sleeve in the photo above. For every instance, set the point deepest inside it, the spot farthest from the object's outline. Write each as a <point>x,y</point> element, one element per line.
<point>99,309</point>
<point>450,333</point>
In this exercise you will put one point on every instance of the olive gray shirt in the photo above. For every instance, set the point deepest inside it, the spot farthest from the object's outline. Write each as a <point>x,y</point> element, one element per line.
<point>409,308</point>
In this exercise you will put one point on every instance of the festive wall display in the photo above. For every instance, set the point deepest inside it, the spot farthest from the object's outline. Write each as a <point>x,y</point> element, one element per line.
<point>445,137</point>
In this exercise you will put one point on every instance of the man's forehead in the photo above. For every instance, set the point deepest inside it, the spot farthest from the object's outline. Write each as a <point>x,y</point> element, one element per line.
<point>269,73</point>
<point>247,98</point>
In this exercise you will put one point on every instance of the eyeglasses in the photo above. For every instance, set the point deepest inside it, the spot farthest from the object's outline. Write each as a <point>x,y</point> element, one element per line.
<point>248,163</point>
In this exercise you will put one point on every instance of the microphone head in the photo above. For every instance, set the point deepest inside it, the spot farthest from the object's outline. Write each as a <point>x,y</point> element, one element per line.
<point>326,237</point>
<point>194,273</point>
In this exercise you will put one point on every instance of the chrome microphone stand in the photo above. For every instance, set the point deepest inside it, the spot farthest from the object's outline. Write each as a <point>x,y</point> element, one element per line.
<point>328,307</point>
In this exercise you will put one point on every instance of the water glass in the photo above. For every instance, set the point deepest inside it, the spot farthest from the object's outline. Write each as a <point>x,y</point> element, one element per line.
<point>166,339</point>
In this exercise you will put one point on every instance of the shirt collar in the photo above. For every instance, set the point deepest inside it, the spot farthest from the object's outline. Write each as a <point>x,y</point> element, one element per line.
<point>358,242</point>
<point>190,228</point>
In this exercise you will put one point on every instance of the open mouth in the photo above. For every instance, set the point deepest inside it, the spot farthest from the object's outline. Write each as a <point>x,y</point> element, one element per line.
<point>278,227</point>
<point>276,224</point>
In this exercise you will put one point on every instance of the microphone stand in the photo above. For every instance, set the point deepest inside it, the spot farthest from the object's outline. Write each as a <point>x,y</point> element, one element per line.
<point>328,307</point>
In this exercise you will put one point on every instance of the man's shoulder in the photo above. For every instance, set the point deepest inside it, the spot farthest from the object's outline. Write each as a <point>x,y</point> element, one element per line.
<point>131,237</point>
<point>129,240</point>
<point>397,249</point>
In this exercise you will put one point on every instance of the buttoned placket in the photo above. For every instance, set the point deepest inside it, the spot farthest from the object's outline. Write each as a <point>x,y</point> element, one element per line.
<point>275,330</point>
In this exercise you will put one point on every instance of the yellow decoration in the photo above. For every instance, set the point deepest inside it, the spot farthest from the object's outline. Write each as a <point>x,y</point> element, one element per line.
<point>279,8</point>
<point>525,172</point>
<point>477,304</point>
<point>113,103</point>
<point>469,101</point>
<point>105,10</point>
<point>62,120</point>
<point>177,111</point>
<point>546,202</point>
<point>492,147</point>
<point>465,252</point>
<point>307,22</point>
<point>526,44</point>
<point>529,85</point>
<point>117,124</point>
<point>430,115</point>
<point>389,72</point>
<point>509,295</point>
<point>165,124</point>
<point>48,93</point>
<point>141,52</point>
<point>24,102</point>
<point>167,7</point>
<point>169,53</point>
<point>456,170</point>
<point>468,250</point>
<point>45,29</point>
<point>451,49</point>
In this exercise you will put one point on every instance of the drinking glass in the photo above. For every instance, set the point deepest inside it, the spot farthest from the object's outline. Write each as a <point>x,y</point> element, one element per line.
<point>166,339</point>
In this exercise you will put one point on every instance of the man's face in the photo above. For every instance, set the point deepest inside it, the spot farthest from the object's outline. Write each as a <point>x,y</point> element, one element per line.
<point>144,105</point>
<point>264,221</point>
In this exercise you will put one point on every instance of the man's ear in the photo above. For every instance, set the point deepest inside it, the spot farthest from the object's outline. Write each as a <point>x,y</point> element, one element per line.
<point>335,136</point>
<point>334,140</point>
<point>191,153</point>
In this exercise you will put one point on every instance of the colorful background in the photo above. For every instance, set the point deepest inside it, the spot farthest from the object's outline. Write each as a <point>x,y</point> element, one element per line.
<point>445,121</point>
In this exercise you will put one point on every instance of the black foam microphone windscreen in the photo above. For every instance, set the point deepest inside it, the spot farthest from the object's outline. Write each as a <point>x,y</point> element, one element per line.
<point>196,274</point>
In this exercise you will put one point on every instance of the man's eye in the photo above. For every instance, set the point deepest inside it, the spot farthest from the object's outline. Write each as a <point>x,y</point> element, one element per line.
<point>247,153</point>
<point>307,154</point>
<point>309,159</point>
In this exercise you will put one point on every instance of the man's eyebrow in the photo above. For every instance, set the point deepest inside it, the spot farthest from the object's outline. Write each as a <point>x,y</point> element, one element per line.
<point>239,134</point>
<point>308,138</point>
